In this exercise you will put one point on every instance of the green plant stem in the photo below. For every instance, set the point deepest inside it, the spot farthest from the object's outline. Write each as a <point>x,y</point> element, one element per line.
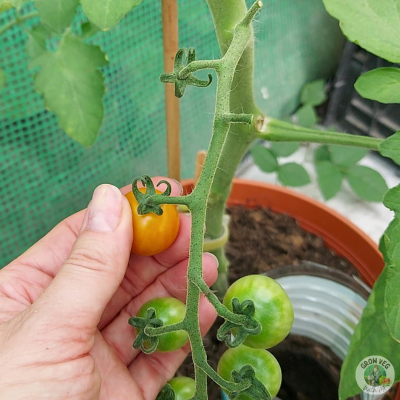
<point>196,202</point>
<point>224,384</point>
<point>151,331</point>
<point>198,65</point>
<point>279,131</point>
<point>18,21</point>
<point>220,308</point>
<point>226,15</point>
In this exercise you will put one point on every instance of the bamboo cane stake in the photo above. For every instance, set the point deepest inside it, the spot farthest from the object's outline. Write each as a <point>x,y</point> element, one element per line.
<point>170,42</point>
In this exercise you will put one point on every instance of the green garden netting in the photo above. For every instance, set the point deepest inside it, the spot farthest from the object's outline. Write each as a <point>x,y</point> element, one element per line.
<point>46,176</point>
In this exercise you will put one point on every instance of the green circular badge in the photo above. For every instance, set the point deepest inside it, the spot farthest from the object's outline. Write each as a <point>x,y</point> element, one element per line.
<point>375,375</point>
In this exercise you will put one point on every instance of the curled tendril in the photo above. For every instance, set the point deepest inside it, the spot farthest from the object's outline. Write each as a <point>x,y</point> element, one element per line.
<point>148,344</point>
<point>146,200</point>
<point>167,191</point>
<point>256,391</point>
<point>189,79</point>
<point>234,334</point>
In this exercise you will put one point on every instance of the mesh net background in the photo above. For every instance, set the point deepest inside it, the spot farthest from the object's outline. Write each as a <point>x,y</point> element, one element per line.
<point>46,176</point>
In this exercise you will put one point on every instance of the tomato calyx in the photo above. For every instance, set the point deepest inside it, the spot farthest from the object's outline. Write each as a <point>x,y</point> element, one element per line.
<point>167,393</point>
<point>256,391</point>
<point>234,334</point>
<point>146,201</point>
<point>189,79</point>
<point>148,344</point>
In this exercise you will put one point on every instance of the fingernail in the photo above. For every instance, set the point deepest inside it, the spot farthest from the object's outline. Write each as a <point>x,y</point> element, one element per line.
<point>105,209</point>
<point>214,257</point>
<point>179,186</point>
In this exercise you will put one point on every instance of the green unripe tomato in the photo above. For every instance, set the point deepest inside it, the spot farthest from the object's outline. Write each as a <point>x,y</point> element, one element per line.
<point>273,308</point>
<point>170,311</point>
<point>265,366</point>
<point>184,387</point>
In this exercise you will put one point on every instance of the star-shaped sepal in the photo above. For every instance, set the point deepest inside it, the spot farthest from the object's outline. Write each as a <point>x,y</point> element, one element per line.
<point>167,393</point>
<point>148,344</point>
<point>257,391</point>
<point>234,334</point>
<point>146,200</point>
<point>189,79</point>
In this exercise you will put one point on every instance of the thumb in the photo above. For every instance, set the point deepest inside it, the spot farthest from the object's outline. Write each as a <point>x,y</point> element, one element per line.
<point>97,263</point>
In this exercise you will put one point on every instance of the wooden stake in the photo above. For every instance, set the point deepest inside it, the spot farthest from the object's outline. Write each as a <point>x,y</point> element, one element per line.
<point>170,41</point>
<point>200,160</point>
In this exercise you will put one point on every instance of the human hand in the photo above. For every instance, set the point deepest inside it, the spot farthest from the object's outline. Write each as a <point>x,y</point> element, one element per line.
<point>66,302</point>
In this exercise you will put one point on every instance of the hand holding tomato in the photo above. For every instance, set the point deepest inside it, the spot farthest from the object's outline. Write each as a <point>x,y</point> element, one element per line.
<point>65,305</point>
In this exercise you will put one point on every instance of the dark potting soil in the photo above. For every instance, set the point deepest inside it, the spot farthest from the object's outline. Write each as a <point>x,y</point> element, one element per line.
<point>261,240</point>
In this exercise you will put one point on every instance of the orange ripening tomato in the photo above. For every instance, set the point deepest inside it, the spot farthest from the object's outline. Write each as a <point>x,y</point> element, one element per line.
<point>152,234</point>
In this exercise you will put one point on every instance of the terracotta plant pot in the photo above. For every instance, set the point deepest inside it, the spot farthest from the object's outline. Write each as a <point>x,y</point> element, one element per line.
<point>338,233</point>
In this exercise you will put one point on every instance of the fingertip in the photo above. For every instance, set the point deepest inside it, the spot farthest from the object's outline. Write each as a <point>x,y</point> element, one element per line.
<point>210,268</point>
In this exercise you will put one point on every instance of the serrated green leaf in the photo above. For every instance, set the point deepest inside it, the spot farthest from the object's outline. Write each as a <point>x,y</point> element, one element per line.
<point>3,78</point>
<point>107,13</point>
<point>322,154</point>
<point>371,336</point>
<point>390,147</point>
<point>367,183</point>
<point>36,44</point>
<point>345,156</point>
<point>7,4</point>
<point>292,174</point>
<point>305,116</point>
<point>382,84</point>
<point>392,199</point>
<point>391,243</point>
<point>313,93</point>
<point>88,30</point>
<point>57,14</point>
<point>392,301</point>
<point>264,158</point>
<point>372,24</point>
<point>73,87</point>
<point>282,149</point>
<point>329,179</point>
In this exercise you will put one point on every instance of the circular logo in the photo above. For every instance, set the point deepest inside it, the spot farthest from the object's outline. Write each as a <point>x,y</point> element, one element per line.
<point>375,375</point>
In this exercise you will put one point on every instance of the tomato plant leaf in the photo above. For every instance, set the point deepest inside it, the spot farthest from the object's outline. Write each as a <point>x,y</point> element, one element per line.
<point>264,158</point>
<point>57,14</point>
<point>88,30</point>
<point>107,13</point>
<point>390,248</point>
<point>36,44</point>
<point>374,25</point>
<point>392,301</point>
<point>370,336</point>
<point>329,179</point>
<point>382,84</point>
<point>7,4</point>
<point>313,93</point>
<point>3,78</point>
<point>72,87</point>
<point>305,116</point>
<point>345,156</point>
<point>292,174</point>
<point>392,199</point>
<point>367,183</point>
<point>390,147</point>
<point>322,154</point>
<point>281,149</point>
